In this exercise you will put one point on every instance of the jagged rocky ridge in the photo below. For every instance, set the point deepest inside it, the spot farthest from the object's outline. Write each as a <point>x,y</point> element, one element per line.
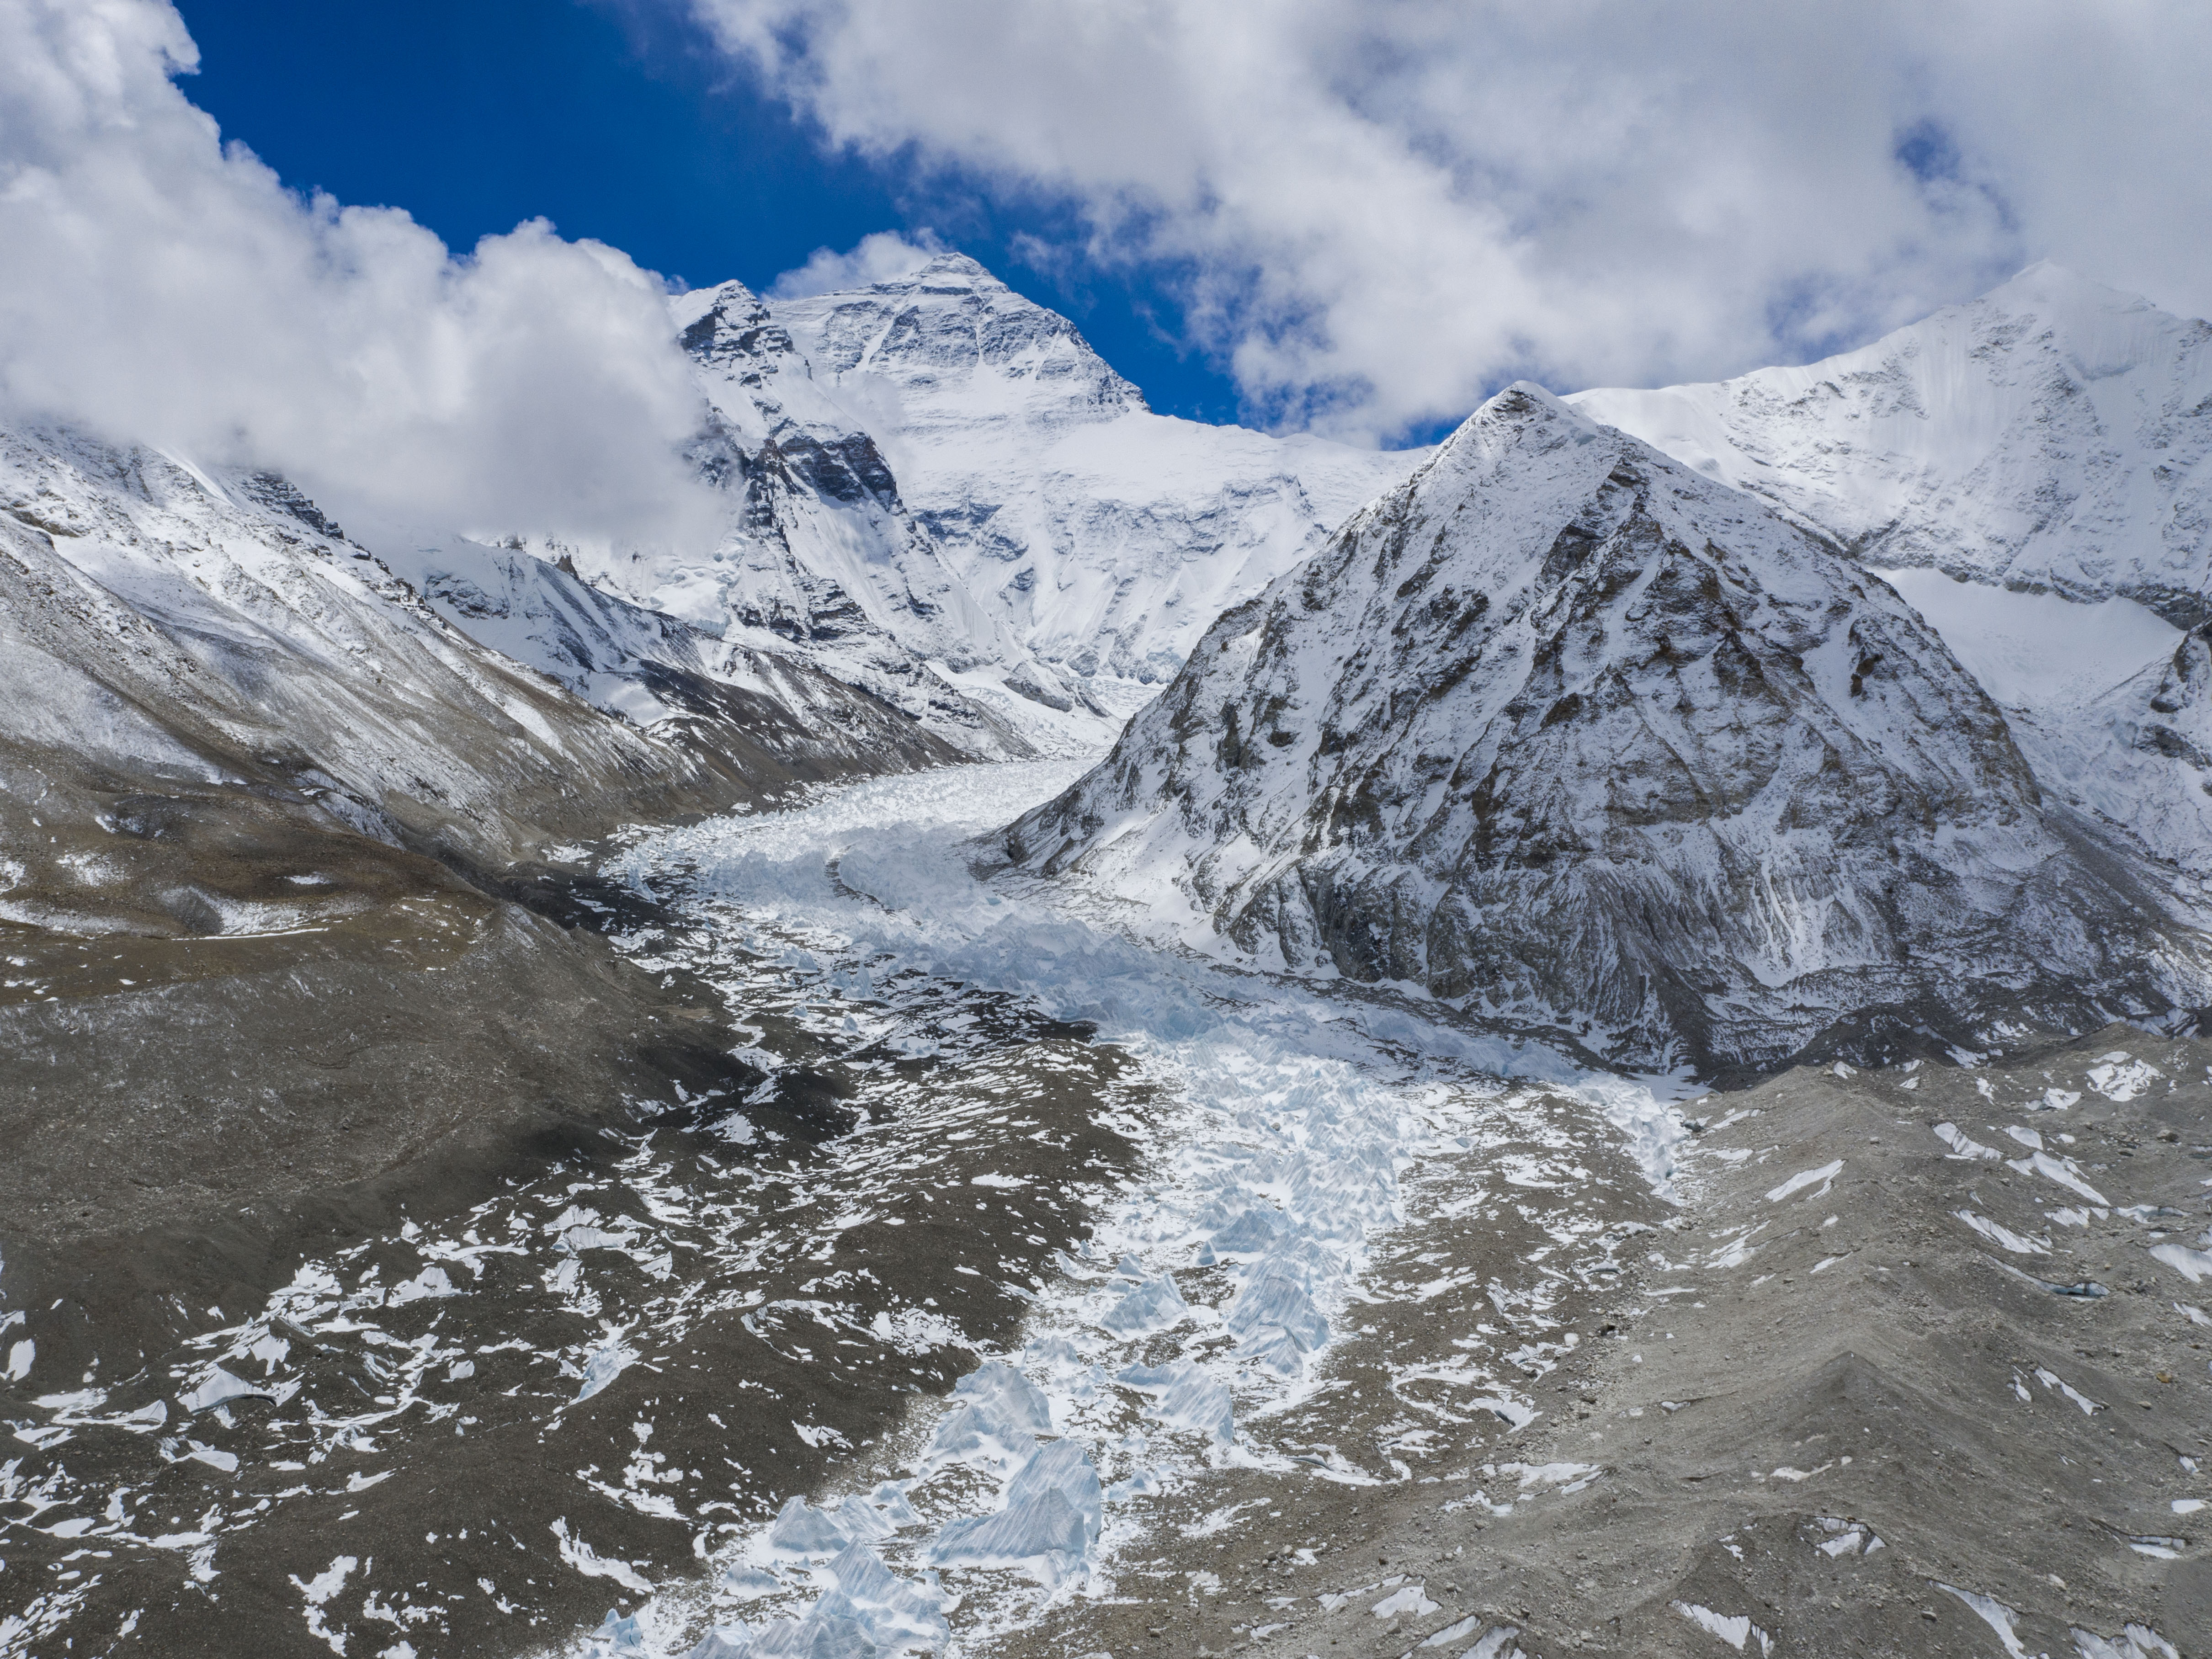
<point>1567,730</point>
<point>2045,448</point>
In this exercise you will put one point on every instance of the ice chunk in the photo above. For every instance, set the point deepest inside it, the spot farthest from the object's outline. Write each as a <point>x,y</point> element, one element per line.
<point>997,1388</point>
<point>831,1629</point>
<point>1273,1293</point>
<point>1991,1612</point>
<point>1956,1139</point>
<point>1824,1175</point>
<point>2135,1642</point>
<point>2120,1076</point>
<point>1734,1629</point>
<point>619,1633</point>
<point>605,1365</point>
<point>1464,1628</point>
<point>895,1613</point>
<point>801,1529</point>
<point>1252,1233</point>
<point>1187,1398</point>
<point>980,1437</point>
<point>1409,1601</point>
<point>2060,1170</point>
<point>890,1499</point>
<point>723,1642</point>
<point>1153,1306</point>
<point>431,1282</point>
<point>2000,1235</point>
<point>1044,1534</point>
<point>861,1521</point>
<point>2193,1265</point>
<point>749,1583</point>
<point>1063,1467</point>
<point>217,1386</point>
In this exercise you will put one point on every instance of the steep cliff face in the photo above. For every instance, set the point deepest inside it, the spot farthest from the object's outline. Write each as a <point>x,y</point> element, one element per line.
<point>1104,537</point>
<point>817,559</point>
<point>2047,449</point>
<point>1564,730</point>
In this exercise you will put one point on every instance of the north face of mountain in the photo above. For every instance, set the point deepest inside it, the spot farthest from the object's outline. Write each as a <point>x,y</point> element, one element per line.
<point>816,558</point>
<point>1567,733</point>
<point>1103,537</point>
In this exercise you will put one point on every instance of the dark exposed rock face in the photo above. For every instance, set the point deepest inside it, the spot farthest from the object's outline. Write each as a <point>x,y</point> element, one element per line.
<point>1562,729</point>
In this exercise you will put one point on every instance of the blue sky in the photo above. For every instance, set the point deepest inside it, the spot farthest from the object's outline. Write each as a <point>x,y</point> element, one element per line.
<point>624,124</point>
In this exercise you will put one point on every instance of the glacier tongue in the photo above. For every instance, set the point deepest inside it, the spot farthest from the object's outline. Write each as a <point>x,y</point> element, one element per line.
<point>1565,731</point>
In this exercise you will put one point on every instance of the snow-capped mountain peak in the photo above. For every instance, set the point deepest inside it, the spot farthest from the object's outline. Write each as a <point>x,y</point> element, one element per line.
<point>951,344</point>
<point>1104,537</point>
<point>1566,730</point>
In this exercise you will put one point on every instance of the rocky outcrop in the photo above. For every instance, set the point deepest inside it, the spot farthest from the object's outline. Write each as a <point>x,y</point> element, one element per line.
<point>1564,731</point>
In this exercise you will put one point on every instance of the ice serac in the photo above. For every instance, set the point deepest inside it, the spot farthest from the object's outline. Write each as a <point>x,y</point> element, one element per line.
<point>2033,470</point>
<point>1106,538</point>
<point>1568,730</point>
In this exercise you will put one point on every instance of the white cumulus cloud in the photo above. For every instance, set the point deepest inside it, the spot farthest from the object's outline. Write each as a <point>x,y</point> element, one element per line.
<point>1378,208</point>
<point>162,287</point>
<point>875,259</point>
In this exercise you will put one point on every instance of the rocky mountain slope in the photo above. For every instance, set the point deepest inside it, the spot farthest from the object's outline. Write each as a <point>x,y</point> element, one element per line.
<point>2048,449</point>
<point>1568,731</point>
<point>1104,537</point>
<point>169,626</point>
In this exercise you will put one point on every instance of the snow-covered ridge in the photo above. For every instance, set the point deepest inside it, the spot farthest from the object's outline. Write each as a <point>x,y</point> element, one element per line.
<point>1570,732</point>
<point>2048,448</point>
<point>165,620</point>
<point>2052,433</point>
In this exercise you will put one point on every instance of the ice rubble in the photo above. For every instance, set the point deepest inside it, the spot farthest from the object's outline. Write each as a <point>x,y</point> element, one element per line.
<point>1288,1151</point>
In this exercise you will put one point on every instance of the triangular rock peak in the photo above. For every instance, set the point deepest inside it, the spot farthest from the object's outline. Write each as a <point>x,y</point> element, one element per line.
<point>1565,731</point>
